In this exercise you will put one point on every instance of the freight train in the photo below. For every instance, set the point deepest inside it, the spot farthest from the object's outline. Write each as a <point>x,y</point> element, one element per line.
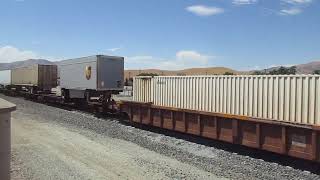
<point>278,113</point>
<point>87,82</point>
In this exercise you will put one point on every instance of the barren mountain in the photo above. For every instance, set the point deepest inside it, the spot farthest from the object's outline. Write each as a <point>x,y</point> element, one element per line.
<point>191,71</point>
<point>7,66</point>
<point>308,68</point>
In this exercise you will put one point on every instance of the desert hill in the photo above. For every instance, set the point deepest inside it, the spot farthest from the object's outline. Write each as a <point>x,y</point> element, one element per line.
<point>29,62</point>
<point>191,71</point>
<point>307,68</point>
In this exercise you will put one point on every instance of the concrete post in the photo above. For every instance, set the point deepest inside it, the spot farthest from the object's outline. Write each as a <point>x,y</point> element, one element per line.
<point>5,138</point>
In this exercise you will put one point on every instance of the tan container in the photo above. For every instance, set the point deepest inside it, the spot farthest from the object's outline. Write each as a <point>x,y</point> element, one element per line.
<point>288,98</point>
<point>42,76</point>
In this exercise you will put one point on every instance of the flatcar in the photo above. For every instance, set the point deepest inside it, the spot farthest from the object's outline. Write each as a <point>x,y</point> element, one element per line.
<point>279,113</point>
<point>91,78</point>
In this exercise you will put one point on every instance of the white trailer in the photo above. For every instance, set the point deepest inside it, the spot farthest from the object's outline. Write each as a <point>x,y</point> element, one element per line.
<point>5,77</point>
<point>97,74</point>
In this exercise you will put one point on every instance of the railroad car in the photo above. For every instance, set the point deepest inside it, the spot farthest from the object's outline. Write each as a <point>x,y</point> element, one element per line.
<point>279,113</point>
<point>34,79</point>
<point>87,82</point>
<point>274,113</point>
<point>92,77</point>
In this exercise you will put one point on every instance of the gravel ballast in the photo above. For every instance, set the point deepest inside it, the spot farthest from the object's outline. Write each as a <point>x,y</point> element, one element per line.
<point>218,162</point>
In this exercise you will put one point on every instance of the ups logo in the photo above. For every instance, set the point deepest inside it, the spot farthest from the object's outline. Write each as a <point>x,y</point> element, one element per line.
<point>88,72</point>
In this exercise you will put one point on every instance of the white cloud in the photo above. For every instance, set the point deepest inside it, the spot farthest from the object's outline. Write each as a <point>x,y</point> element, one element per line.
<point>141,62</point>
<point>249,68</point>
<point>244,2</point>
<point>279,65</point>
<point>292,11</point>
<point>10,54</point>
<point>202,10</point>
<point>114,49</point>
<point>294,7</point>
<point>190,56</point>
<point>297,1</point>
<point>140,58</point>
<point>183,59</point>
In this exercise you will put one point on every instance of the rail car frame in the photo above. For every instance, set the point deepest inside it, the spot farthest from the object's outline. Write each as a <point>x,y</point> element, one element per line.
<point>295,140</point>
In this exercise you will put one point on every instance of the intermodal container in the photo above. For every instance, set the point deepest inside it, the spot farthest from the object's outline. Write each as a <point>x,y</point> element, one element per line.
<point>99,72</point>
<point>286,98</point>
<point>42,76</point>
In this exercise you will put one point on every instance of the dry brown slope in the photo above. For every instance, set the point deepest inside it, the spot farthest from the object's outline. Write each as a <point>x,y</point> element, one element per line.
<point>191,71</point>
<point>308,68</point>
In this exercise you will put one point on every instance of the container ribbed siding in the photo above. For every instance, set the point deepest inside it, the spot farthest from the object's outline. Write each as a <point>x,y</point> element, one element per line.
<point>288,98</point>
<point>143,89</point>
<point>43,76</point>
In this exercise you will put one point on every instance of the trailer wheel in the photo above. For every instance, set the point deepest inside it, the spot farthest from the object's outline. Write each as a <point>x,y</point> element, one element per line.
<point>65,95</point>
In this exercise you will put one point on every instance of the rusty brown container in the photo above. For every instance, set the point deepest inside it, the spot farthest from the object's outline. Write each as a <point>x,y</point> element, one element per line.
<point>41,76</point>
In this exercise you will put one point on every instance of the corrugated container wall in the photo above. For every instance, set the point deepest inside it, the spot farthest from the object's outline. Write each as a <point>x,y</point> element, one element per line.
<point>43,76</point>
<point>288,98</point>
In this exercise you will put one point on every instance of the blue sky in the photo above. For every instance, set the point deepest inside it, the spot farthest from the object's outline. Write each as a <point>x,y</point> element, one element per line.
<point>167,34</point>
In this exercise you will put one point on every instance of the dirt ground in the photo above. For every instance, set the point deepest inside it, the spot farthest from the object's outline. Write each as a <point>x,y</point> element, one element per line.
<point>55,143</point>
<point>42,150</point>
